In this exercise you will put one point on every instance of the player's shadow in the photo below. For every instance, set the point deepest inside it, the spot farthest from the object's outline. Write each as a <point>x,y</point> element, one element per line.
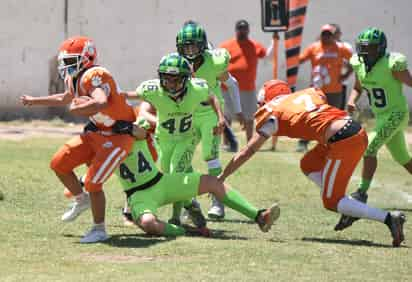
<point>129,240</point>
<point>361,243</point>
<point>135,240</point>
<point>220,234</point>
<point>399,209</point>
<point>241,221</point>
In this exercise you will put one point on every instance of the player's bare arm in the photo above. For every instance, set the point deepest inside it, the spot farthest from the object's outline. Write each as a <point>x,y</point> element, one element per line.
<point>348,71</point>
<point>403,76</point>
<point>146,111</point>
<point>97,103</point>
<point>233,88</point>
<point>218,110</point>
<point>56,100</point>
<point>130,95</point>
<point>245,154</point>
<point>354,96</point>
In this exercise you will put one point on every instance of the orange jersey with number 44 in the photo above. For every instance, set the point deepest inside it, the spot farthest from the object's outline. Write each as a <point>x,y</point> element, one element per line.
<point>304,114</point>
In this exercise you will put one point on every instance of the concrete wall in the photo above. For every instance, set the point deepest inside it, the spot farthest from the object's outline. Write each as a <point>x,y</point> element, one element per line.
<point>131,36</point>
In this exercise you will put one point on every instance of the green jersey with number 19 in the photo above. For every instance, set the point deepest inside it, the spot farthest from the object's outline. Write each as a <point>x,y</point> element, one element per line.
<point>215,62</point>
<point>384,91</point>
<point>174,117</point>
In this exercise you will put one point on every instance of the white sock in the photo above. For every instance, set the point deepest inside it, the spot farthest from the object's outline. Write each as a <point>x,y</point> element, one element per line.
<point>351,207</point>
<point>99,226</point>
<point>316,177</point>
<point>213,164</point>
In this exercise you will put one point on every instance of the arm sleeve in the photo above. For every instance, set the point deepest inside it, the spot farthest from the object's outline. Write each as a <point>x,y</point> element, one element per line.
<point>148,90</point>
<point>398,62</point>
<point>221,58</point>
<point>96,78</point>
<point>266,121</point>
<point>233,89</point>
<point>140,91</point>
<point>269,127</point>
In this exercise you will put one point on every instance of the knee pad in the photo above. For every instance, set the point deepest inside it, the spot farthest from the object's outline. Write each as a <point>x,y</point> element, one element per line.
<point>59,164</point>
<point>330,203</point>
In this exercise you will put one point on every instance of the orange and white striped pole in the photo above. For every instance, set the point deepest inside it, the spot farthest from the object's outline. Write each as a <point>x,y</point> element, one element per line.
<point>293,39</point>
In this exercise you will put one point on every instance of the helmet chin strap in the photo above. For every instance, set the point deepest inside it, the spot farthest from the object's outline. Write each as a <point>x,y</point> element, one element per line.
<point>369,63</point>
<point>180,94</point>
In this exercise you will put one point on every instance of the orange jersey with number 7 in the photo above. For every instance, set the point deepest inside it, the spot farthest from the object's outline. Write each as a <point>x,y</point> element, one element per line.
<point>304,114</point>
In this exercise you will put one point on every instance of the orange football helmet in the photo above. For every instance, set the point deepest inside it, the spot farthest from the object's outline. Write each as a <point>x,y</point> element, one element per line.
<point>272,89</point>
<point>76,54</point>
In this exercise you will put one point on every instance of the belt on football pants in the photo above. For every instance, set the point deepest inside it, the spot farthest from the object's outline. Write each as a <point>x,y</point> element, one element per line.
<point>351,128</point>
<point>144,186</point>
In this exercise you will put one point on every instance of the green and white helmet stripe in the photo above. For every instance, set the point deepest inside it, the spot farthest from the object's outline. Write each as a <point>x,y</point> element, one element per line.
<point>372,36</point>
<point>174,64</point>
<point>191,33</point>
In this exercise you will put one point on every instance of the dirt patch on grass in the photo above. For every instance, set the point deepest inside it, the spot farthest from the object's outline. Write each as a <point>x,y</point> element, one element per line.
<point>20,132</point>
<point>128,258</point>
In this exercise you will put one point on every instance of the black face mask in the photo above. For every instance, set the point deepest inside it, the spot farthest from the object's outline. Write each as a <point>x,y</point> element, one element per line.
<point>176,92</point>
<point>365,54</point>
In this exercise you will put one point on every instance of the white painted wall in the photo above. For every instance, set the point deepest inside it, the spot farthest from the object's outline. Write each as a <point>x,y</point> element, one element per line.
<point>132,36</point>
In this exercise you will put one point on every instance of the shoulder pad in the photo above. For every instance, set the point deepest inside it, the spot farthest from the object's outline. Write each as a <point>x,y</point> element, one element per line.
<point>220,58</point>
<point>354,60</point>
<point>148,87</point>
<point>199,82</point>
<point>96,76</point>
<point>397,62</point>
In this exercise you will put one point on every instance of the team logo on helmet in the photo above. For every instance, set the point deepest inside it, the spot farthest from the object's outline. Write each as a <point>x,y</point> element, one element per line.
<point>191,41</point>
<point>75,55</point>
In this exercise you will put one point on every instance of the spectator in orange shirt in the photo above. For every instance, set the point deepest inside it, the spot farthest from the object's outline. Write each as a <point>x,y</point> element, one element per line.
<point>328,58</point>
<point>244,53</point>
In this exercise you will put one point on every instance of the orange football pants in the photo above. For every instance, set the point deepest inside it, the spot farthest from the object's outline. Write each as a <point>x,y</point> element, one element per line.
<point>102,154</point>
<point>336,162</point>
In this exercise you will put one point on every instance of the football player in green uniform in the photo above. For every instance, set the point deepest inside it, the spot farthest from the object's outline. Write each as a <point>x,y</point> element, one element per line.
<point>176,96</point>
<point>381,74</point>
<point>147,189</point>
<point>211,65</point>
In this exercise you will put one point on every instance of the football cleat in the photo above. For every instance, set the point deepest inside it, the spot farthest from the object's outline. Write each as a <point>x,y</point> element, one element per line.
<point>217,209</point>
<point>77,207</point>
<point>175,221</point>
<point>95,235</point>
<point>395,224</point>
<point>196,231</point>
<point>346,221</point>
<point>195,214</point>
<point>266,218</point>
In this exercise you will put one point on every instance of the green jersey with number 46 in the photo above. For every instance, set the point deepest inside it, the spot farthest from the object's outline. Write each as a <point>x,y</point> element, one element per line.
<point>215,63</point>
<point>174,117</point>
<point>384,91</point>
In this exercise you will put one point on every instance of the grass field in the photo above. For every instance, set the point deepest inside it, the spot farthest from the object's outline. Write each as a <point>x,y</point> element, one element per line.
<point>36,246</point>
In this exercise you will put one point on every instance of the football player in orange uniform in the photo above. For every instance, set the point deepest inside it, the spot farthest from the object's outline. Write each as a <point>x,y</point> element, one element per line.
<point>91,91</point>
<point>341,142</point>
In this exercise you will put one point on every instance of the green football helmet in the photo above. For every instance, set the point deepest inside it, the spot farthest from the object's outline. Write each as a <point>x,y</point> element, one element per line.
<point>371,46</point>
<point>191,41</point>
<point>174,71</point>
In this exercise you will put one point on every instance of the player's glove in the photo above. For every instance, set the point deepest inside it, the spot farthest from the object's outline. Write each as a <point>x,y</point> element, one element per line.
<point>123,127</point>
<point>90,127</point>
